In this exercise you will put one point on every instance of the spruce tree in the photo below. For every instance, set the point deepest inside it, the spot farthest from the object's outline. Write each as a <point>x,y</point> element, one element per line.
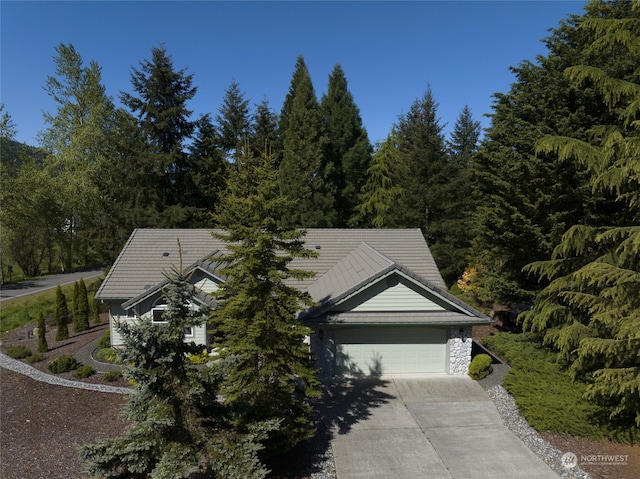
<point>305,172</point>
<point>43,347</point>
<point>177,428</point>
<point>349,148</point>
<point>61,316</point>
<point>271,375</point>
<point>590,311</point>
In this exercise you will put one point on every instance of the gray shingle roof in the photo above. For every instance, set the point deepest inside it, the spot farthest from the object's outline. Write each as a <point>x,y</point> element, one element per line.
<point>150,252</point>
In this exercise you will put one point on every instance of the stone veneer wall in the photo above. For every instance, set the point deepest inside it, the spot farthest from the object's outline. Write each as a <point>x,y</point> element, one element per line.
<point>460,350</point>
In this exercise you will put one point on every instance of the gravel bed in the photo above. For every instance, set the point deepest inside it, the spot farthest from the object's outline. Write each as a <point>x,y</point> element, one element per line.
<point>512,419</point>
<point>23,368</point>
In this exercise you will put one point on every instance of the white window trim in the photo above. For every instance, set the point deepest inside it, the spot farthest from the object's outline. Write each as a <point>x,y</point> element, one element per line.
<point>189,332</point>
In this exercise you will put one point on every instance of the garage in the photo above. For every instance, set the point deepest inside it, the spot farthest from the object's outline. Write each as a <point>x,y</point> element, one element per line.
<point>390,350</point>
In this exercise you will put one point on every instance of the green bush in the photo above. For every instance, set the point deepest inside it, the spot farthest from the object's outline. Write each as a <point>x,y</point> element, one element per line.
<point>480,366</point>
<point>105,340</point>
<point>18,352</point>
<point>62,364</point>
<point>545,393</point>
<point>112,376</point>
<point>107,355</point>
<point>84,371</point>
<point>35,358</point>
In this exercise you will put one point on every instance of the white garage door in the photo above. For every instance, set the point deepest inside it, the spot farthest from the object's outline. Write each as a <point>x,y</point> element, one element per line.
<point>390,350</point>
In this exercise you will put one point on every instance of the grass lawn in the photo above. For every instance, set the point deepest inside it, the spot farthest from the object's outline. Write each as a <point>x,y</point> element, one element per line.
<point>25,309</point>
<point>546,394</point>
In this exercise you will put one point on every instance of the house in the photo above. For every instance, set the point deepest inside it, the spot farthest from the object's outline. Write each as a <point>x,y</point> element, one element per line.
<point>382,306</point>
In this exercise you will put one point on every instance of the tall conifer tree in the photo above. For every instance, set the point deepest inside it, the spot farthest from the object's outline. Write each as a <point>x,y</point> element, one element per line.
<point>456,226</point>
<point>349,147</point>
<point>422,151</point>
<point>272,376</point>
<point>590,312</point>
<point>233,120</point>
<point>305,174</point>
<point>381,192</point>
<point>161,108</point>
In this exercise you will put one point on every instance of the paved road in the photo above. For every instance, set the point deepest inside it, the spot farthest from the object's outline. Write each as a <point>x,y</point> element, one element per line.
<point>43,283</point>
<point>440,427</point>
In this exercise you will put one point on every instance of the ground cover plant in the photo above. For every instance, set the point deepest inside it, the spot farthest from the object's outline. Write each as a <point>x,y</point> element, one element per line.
<point>547,395</point>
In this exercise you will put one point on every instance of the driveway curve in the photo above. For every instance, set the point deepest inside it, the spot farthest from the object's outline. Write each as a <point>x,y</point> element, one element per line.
<point>441,427</point>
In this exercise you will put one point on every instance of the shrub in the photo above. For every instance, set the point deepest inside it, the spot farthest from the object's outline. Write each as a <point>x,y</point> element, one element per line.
<point>61,315</point>
<point>480,366</point>
<point>84,371</point>
<point>62,364</point>
<point>35,358</point>
<point>546,394</point>
<point>108,355</point>
<point>105,340</point>
<point>201,358</point>
<point>43,347</point>
<point>18,352</point>
<point>112,376</point>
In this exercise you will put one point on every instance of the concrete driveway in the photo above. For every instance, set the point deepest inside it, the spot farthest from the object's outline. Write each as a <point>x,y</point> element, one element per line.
<point>440,427</point>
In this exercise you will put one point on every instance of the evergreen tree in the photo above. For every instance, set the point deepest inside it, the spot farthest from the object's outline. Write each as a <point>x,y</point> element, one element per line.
<point>264,128</point>
<point>456,225</point>
<point>380,192</point>
<point>61,316</point>
<point>161,108</point>
<point>271,375</point>
<point>210,171</point>
<point>178,427</point>
<point>233,120</point>
<point>421,149</point>
<point>526,201</point>
<point>349,147</point>
<point>82,323</point>
<point>75,307</point>
<point>305,174</point>
<point>590,311</point>
<point>95,311</point>
<point>43,347</point>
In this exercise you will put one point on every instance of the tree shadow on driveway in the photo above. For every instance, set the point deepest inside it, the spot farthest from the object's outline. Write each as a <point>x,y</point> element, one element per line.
<point>347,402</point>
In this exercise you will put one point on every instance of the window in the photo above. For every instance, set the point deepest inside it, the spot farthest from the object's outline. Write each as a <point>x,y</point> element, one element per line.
<point>156,317</point>
<point>131,314</point>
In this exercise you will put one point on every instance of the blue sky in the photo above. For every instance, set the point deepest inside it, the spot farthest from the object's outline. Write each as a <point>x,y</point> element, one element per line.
<point>389,51</point>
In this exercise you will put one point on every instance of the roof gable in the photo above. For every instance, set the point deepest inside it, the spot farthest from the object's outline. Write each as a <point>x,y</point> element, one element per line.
<point>202,275</point>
